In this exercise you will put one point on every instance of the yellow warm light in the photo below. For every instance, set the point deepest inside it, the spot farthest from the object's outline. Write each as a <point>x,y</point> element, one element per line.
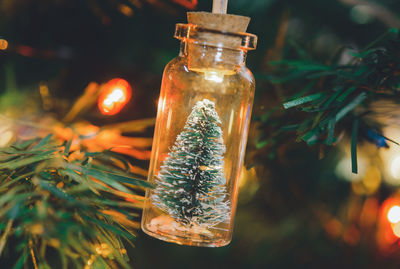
<point>343,169</point>
<point>396,229</point>
<point>103,249</point>
<point>395,167</point>
<point>391,157</point>
<point>6,138</point>
<point>214,76</point>
<point>372,179</point>
<point>394,214</point>
<point>3,44</point>
<point>126,10</point>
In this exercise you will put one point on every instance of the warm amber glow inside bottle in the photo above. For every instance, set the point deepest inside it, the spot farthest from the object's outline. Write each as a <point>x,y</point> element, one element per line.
<point>200,138</point>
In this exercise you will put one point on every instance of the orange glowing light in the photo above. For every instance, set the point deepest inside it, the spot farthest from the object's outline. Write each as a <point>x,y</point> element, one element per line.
<point>3,44</point>
<point>126,10</point>
<point>190,4</point>
<point>394,214</point>
<point>388,225</point>
<point>115,95</point>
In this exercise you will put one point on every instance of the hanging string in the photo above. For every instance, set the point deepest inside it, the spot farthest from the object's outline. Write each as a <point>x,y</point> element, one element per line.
<point>220,6</point>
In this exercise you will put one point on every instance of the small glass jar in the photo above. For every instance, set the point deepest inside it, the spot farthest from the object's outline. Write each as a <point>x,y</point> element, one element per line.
<point>200,138</point>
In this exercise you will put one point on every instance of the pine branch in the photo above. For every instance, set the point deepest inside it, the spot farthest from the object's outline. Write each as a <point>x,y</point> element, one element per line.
<point>336,95</point>
<point>81,208</point>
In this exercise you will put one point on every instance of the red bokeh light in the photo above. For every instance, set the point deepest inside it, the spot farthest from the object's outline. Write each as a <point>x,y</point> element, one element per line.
<point>114,96</point>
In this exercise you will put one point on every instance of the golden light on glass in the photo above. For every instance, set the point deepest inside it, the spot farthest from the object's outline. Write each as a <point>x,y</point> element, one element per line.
<point>231,117</point>
<point>214,76</point>
<point>116,94</point>
<point>248,177</point>
<point>161,104</point>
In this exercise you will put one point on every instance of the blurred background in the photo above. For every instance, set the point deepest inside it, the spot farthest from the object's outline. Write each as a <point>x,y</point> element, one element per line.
<point>297,208</point>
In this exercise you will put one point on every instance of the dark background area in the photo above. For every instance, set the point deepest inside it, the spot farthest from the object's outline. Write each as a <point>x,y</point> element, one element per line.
<point>287,205</point>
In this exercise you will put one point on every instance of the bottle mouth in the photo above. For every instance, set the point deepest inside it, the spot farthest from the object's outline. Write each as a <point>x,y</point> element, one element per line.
<point>194,34</point>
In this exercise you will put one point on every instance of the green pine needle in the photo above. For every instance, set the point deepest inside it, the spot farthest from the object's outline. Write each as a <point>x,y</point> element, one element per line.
<point>50,201</point>
<point>338,94</point>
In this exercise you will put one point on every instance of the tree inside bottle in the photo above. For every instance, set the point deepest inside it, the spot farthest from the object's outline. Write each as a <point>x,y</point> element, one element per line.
<point>190,183</point>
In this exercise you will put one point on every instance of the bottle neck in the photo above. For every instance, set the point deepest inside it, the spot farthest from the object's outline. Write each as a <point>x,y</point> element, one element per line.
<point>203,57</point>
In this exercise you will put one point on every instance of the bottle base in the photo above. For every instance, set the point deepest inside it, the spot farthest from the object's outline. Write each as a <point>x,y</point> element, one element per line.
<point>166,229</point>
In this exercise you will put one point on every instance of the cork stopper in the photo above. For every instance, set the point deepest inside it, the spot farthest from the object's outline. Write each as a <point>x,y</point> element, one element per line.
<point>220,22</point>
<point>216,33</point>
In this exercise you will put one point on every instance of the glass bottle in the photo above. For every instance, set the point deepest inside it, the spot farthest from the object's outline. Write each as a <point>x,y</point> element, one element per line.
<point>200,137</point>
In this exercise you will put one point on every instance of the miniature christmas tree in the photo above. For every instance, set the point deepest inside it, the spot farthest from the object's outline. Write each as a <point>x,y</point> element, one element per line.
<point>190,183</point>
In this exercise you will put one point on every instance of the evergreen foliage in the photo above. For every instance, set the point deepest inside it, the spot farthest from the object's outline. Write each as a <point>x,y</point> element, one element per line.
<point>77,205</point>
<point>336,94</point>
<point>190,183</point>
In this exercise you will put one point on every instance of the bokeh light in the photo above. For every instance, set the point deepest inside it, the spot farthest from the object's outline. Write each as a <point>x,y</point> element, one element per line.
<point>115,95</point>
<point>395,167</point>
<point>391,158</point>
<point>396,229</point>
<point>126,10</point>
<point>343,169</point>
<point>394,214</point>
<point>372,180</point>
<point>3,44</point>
<point>362,14</point>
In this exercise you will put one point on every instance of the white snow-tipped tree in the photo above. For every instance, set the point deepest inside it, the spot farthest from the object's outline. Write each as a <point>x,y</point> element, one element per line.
<point>190,185</point>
